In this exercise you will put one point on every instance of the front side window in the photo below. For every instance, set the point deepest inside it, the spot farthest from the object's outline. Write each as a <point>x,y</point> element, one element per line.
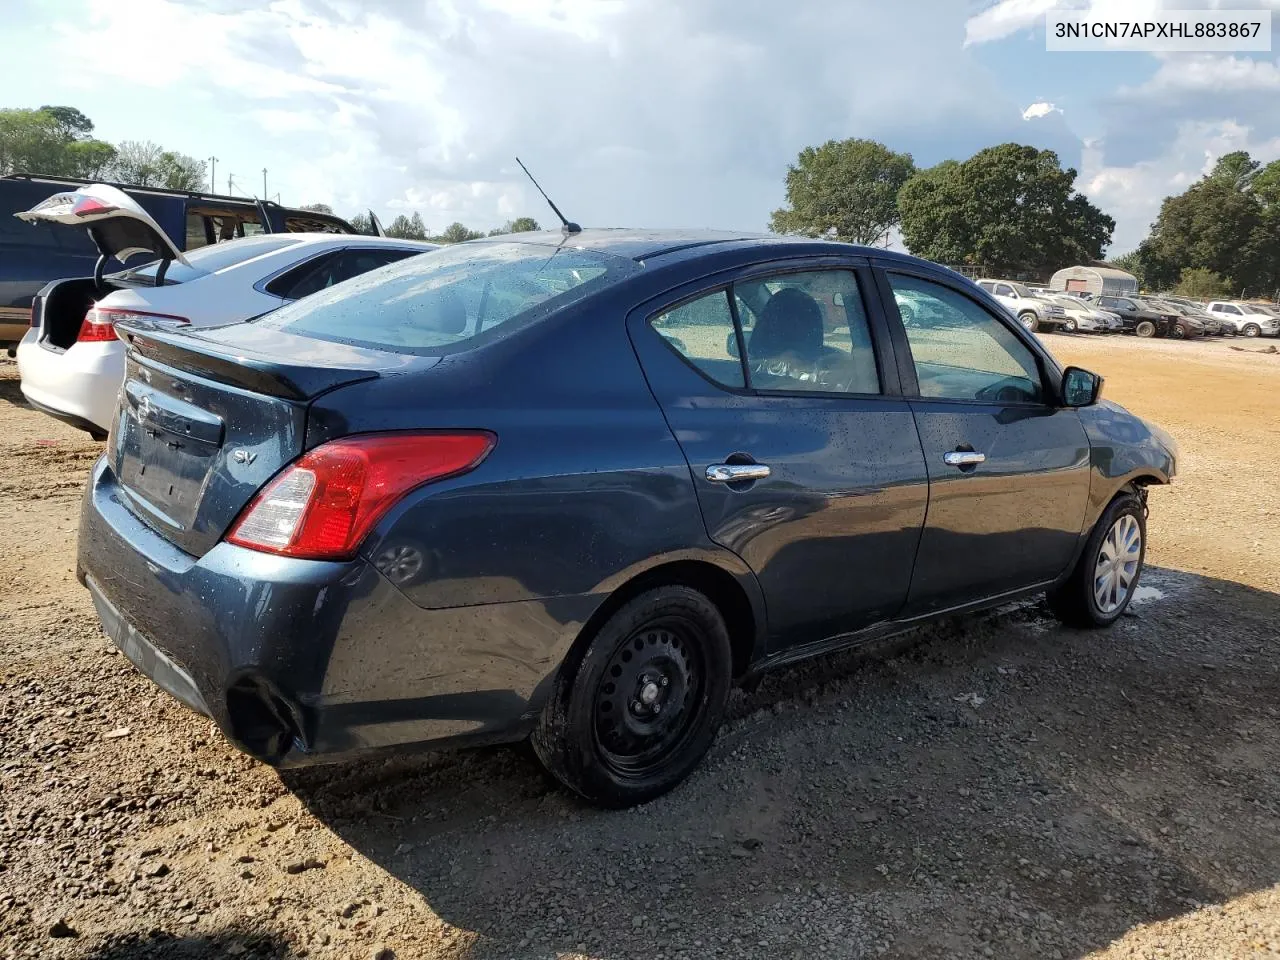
<point>1004,290</point>
<point>962,352</point>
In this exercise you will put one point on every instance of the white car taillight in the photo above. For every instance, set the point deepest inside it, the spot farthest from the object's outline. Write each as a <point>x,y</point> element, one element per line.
<point>99,323</point>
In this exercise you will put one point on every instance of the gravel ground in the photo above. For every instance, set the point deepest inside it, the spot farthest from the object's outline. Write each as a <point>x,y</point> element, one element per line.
<point>996,786</point>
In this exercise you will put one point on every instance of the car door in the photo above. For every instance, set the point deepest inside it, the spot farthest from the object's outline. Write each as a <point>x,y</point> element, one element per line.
<point>779,383</point>
<point>1008,467</point>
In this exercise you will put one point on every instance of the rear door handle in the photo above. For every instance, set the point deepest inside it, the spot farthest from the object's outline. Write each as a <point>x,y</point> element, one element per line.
<point>736,472</point>
<point>963,458</point>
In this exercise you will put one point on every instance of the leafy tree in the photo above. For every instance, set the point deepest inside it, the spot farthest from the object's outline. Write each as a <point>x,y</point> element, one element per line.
<point>457,233</point>
<point>1201,284</point>
<point>317,208</point>
<point>518,225</point>
<point>1236,170</point>
<point>362,223</point>
<point>1131,262</point>
<point>146,164</point>
<point>1010,207</point>
<point>407,228</point>
<point>51,140</point>
<point>845,188</point>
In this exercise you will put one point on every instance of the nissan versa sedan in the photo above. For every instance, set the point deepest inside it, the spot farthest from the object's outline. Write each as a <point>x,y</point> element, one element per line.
<point>523,488</point>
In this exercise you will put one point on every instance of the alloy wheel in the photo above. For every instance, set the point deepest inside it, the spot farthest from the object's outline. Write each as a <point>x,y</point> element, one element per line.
<point>1116,569</point>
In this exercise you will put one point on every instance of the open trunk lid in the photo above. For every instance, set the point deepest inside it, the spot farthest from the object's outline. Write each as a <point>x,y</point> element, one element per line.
<point>119,227</point>
<point>206,419</point>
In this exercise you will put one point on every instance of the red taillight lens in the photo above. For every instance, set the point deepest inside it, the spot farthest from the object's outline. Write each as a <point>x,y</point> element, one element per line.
<point>322,506</point>
<point>99,323</point>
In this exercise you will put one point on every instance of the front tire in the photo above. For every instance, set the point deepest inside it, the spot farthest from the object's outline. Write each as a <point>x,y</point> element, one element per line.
<point>1106,575</point>
<point>1177,332</point>
<point>1145,329</point>
<point>643,705</point>
<point>1030,321</point>
<point>1252,330</point>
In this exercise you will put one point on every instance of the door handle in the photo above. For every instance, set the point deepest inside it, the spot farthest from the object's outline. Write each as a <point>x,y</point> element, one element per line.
<point>736,472</point>
<point>963,458</point>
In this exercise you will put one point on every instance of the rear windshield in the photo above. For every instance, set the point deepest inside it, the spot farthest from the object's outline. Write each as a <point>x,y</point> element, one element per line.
<point>211,259</point>
<point>452,299</point>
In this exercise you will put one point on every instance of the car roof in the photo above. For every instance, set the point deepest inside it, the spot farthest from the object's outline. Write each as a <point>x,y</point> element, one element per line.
<point>349,239</point>
<point>650,244</point>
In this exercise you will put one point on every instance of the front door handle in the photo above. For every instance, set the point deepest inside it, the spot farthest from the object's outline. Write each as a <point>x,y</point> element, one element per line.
<point>963,458</point>
<point>736,472</point>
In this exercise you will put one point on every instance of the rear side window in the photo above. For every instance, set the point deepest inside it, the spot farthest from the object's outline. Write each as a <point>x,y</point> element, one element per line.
<point>452,299</point>
<point>702,332</point>
<point>804,333</point>
<point>330,269</point>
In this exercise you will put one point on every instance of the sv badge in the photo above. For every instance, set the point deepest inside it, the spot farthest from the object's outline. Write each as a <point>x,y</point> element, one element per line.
<point>243,456</point>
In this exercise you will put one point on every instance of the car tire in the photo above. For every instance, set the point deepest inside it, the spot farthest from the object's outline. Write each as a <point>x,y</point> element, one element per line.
<point>1029,321</point>
<point>635,714</point>
<point>1070,327</point>
<point>1252,330</point>
<point>1145,329</point>
<point>1177,333</point>
<point>1114,553</point>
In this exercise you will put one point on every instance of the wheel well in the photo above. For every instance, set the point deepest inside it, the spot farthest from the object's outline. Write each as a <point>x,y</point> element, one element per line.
<point>717,585</point>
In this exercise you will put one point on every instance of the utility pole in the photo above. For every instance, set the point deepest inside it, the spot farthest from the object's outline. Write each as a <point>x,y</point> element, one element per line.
<point>230,184</point>
<point>264,183</point>
<point>213,166</point>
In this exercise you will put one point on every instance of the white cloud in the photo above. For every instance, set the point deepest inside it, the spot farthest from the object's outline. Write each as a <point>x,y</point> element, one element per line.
<point>665,112</point>
<point>1041,108</point>
<point>1133,193</point>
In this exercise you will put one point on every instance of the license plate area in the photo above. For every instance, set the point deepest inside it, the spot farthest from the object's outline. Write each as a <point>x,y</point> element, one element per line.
<point>167,449</point>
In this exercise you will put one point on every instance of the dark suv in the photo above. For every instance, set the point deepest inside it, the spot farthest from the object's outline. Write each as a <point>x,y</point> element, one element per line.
<point>33,254</point>
<point>1142,318</point>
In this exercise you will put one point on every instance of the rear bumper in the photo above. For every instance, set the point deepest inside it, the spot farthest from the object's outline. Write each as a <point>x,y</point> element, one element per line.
<point>301,661</point>
<point>79,386</point>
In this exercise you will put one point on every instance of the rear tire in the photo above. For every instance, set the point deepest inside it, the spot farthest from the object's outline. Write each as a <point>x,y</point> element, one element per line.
<point>1107,573</point>
<point>1145,329</point>
<point>643,705</point>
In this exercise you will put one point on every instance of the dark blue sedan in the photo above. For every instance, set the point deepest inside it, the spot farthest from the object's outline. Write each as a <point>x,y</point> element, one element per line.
<point>577,486</point>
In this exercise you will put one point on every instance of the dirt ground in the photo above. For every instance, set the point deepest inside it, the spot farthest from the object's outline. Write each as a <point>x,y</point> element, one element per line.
<point>997,786</point>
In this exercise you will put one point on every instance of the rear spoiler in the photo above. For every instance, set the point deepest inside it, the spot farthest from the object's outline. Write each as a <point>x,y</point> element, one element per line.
<point>235,366</point>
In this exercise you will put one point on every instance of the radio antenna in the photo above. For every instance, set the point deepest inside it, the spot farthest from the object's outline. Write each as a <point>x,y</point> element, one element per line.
<point>569,226</point>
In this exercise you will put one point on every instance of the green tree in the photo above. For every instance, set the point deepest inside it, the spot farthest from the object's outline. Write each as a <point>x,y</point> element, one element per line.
<point>1236,170</point>
<point>407,228</point>
<point>1010,208</point>
<point>317,208</point>
<point>518,225</point>
<point>145,164</point>
<point>845,188</point>
<point>362,223</point>
<point>1201,284</point>
<point>51,140</point>
<point>457,233</point>
<point>1131,262</point>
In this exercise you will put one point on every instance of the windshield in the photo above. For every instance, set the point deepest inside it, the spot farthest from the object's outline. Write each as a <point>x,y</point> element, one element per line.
<point>210,259</point>
<point>446,301</point>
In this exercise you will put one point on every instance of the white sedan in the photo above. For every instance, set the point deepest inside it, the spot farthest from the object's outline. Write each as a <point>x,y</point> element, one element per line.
<point>70,361</point>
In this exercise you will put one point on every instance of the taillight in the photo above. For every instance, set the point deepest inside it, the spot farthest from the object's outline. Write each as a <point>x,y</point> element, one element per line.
<point>99,323</point>
<point>323,505</point>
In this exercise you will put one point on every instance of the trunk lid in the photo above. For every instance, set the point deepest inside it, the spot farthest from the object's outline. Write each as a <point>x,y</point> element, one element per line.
<point>206,419</point>
<point>119,227</point>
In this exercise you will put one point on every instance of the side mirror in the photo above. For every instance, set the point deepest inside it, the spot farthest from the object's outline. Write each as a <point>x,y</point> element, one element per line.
<point>1080,388</point>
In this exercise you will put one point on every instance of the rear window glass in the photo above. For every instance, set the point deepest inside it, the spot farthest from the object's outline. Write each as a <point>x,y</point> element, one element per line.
<point>212,258</point>
<point>453,298</point>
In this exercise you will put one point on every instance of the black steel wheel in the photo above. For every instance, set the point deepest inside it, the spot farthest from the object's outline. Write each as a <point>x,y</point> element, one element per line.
<point>638,711</point>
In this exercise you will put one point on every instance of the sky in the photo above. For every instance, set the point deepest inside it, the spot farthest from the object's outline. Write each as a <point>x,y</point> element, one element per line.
<point>646,113</point>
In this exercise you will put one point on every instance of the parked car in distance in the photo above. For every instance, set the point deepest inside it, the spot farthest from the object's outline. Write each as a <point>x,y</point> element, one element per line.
<point>1247,319</point>
<point>70,361</point>
<point>31,255</point>
<point>1181,325</point>
<point>519,487</point>
<point>1084,317</point>
<point>1213,327</point>
<point>1034,313</point>
<point>1137,315</point>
